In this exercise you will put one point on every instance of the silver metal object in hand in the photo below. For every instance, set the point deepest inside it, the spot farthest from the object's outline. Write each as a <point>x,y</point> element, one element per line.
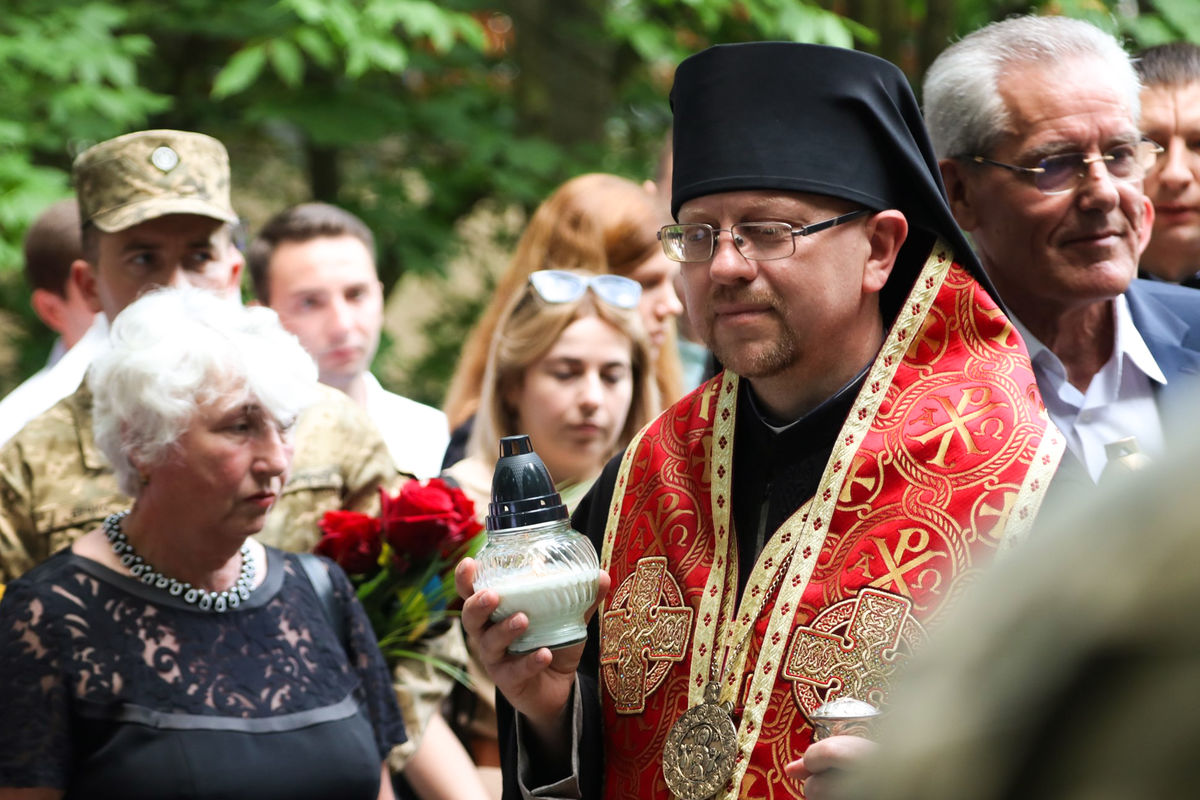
<point>844,716</point>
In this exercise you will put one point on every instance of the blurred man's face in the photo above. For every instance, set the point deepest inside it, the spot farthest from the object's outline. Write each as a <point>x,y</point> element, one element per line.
<point>327,293</point>
<point>1171,117</point>
<point>175,250</point>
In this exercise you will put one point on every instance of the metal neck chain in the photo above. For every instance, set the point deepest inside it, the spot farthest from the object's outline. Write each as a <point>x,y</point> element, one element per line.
<point>149,575</point>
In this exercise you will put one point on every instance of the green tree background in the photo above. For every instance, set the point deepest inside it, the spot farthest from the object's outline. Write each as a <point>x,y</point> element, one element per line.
<point>441,123</point>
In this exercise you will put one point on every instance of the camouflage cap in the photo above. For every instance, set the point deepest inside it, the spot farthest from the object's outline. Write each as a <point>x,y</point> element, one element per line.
<point>149,174</point>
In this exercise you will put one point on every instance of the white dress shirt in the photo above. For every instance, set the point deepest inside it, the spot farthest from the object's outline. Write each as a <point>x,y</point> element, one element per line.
<point>416,434</point>
<point>56,352</point>
<point>53,382</point>
<point>1119,402</point>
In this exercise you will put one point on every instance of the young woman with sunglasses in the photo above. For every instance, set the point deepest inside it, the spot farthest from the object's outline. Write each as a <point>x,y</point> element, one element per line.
<point>570,367</point>
<point>597,222</point>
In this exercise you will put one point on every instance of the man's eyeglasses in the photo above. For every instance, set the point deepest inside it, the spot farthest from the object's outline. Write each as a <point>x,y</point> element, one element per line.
<point>1064,172</point>
<point>757,241</point>
<point>560,286</point>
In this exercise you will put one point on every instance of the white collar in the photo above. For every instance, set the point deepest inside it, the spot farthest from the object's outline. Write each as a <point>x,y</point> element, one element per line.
<point>1128,346</point>
<point>374,389</point>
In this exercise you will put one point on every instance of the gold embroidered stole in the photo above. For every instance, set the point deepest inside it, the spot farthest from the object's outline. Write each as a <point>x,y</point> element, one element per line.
<point>924,444</point>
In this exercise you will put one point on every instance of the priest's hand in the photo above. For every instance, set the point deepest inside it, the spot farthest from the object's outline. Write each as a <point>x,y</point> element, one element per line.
<point>536,684</point>
<point>821,767</point>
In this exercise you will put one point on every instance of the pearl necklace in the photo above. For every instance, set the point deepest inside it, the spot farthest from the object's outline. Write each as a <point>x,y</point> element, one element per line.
<point>149,575</point>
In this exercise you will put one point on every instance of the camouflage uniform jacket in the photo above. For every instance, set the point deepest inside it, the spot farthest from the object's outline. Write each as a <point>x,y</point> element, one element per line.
<point>56,485</point>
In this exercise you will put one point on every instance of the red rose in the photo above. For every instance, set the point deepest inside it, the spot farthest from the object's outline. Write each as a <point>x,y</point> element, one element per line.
<point>465,507</point>
<point>427,519</point>
<point>352,540</point>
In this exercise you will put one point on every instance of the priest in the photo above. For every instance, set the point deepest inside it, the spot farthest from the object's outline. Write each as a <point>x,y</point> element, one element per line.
<point>781,537</point>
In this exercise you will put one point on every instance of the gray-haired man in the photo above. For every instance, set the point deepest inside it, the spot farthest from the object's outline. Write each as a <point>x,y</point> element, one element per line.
<point>1035,123</point>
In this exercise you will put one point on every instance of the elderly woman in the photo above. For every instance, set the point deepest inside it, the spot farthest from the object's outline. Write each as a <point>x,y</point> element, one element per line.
<point>169,654</point>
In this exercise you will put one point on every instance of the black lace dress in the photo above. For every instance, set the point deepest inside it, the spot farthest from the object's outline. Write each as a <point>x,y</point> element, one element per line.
<point>112,689</point>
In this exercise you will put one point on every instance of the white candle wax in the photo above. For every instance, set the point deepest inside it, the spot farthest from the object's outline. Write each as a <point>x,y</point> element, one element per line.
<point>555,605</point>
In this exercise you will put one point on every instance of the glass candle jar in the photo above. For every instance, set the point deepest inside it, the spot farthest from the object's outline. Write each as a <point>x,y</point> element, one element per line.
<point>533,559</point>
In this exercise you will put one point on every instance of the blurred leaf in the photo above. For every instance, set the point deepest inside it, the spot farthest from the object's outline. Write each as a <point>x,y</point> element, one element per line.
<point>316,46</point>
<point>387,55</point>
<point>311,11</point>
<point>241,71</point>
<point>1149,31</point>
<point>1183,15</point>
<point>287,62</point>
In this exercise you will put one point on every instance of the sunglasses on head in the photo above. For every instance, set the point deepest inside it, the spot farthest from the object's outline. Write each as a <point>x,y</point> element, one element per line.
<point>560,286</point>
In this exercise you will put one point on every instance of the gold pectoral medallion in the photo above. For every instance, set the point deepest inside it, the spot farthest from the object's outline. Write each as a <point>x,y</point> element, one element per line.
<point>699,753</point>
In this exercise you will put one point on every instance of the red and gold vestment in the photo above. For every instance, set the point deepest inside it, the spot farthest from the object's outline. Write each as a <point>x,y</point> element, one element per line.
<point>943,460</point>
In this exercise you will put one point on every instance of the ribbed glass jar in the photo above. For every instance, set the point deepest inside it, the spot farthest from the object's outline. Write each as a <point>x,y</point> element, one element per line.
<point>548,571</point>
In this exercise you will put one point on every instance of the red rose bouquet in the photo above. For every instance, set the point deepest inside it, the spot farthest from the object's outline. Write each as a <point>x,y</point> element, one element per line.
<point>402,562</point>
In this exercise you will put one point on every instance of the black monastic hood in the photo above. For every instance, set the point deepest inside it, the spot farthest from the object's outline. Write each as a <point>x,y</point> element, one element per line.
<point>816,119</point>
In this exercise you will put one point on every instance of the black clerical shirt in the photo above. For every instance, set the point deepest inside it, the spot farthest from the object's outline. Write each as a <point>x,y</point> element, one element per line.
<point>776,469</point>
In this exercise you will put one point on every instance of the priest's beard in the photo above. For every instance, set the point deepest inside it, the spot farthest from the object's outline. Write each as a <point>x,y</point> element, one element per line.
<point>761,358</point>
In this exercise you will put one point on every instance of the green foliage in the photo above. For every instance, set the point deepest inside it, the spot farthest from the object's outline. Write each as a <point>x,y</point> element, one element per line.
<point>1154,22</point>
<point>1142,24</point>
<point>352,37</point>
<point>241,71</point>
<point>411,113</point>
<point>664,30</point>
<point>1148,31</point>
<point>1178,19</point>
<point>67,74</point>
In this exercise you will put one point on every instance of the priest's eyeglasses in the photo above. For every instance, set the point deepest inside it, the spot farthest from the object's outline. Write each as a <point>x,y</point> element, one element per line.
<point>560,286</point>
<point>756,241</point>
<point>1064,172</point>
